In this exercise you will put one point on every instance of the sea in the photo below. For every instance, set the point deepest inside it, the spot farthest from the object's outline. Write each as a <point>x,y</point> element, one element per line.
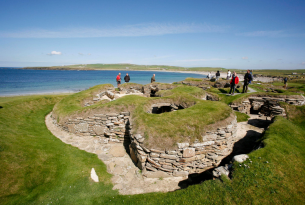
<point>17,81</point>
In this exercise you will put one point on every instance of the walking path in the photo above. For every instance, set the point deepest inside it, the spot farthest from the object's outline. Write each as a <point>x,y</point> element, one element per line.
<point>127,178</point>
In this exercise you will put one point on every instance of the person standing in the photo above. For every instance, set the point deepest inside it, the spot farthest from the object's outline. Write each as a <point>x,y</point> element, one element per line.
<point>153,79</point>
<point>251,76</point>
<point>247,79</point>
<point>217,75</point>
<point>118,79</point>
<point>228,75</point>
<point>127,78</point>
<point>209,76</point>
<point>234,81</point>
<point>285,82</point>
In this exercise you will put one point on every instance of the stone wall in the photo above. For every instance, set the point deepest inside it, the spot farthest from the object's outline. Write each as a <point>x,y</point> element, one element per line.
<point>268,106</point>
<point>188,158</point>
<point>111,127</point>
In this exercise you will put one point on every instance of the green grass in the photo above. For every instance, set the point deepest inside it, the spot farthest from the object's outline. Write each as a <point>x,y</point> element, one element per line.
<point>241,117</point>
<point>37,167</point>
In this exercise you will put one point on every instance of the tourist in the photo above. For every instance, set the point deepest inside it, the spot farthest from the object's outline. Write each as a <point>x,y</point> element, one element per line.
<point>127,78</point>
<point>233,83</point>
<point>247,79</point>
<point>209,76</point>
<point>285,82</point>
<point>118,79</point>
<point>153,79</point>
<point>251,76</point>
<point>228,75</point>
<point>217,75</point>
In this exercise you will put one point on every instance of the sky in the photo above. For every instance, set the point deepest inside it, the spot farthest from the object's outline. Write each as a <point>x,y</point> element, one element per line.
<point>244,34</point>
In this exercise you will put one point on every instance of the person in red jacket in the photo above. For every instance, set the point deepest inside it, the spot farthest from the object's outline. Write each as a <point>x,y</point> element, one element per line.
<point>234,82</point>
<point>118,79</point>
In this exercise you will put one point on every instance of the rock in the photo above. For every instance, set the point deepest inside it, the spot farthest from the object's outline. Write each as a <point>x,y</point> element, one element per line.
<point>167,156</point>
<point>183,145</point>
<point>155,150</point>
<point>240,158</point>
<point>99,130</point>
<point>154,155</point>
<point>94,176</point>
<point>117,151</point>
<point>180,174</point>
<point>139,138</point>
<point>217,172</point>
<point>188,152</point>
<point>82,127</point>
<point>133,155</point>
<point>157,174</point>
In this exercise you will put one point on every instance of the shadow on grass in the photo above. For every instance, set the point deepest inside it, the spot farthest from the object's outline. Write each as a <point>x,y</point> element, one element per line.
<point>1,107</point>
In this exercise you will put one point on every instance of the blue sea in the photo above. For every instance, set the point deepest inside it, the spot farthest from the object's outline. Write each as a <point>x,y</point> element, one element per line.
<point>14,81</point>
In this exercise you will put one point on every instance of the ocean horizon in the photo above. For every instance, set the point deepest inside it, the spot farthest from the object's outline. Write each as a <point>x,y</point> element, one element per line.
<point>15,81</point>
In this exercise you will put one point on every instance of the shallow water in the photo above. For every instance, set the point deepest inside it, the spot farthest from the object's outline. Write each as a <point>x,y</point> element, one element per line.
<point>24,82</point>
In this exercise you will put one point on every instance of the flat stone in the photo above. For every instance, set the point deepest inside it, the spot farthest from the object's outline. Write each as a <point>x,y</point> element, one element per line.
<point>117,151</point>
<point>157,174</point>
<point>217,172</point>
<point>99,130</point>
<point>82,127</point>
<point>167,156</point>
<point>180,173</point>
<point>188,152</point>
<point>155,150</point>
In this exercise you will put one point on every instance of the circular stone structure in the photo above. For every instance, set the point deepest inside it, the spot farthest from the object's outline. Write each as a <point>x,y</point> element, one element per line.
<point>177,143</point>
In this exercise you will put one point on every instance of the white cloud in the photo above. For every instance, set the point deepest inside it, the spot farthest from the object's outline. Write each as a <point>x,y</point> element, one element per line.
<point>279,33</point>
<point>303,63</point>
<point>198,60</point>
<point>149,29</point>
<point>54,53</point>
<point>245,58</point>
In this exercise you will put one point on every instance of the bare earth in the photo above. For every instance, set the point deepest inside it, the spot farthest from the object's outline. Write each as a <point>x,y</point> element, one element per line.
<point>127,178</point>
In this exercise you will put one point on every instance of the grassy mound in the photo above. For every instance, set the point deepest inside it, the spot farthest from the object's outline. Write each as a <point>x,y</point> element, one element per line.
<point>76,101</point>
<point>182,125</point>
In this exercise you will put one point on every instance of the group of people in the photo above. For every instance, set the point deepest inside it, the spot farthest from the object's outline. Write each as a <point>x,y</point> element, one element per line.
<point>235,80</point>
<point>127,79</point>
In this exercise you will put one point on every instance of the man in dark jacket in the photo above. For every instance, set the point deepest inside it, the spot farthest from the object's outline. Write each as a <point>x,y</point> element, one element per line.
<point>127,78</point>
<point>247,80</point>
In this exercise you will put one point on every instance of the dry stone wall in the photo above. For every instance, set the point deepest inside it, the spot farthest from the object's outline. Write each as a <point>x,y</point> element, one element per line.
<point>188,158</point>
<point>268,106</point>
<point>111,127</point>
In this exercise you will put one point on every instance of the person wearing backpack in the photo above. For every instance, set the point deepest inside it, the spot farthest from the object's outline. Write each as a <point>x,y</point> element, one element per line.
<point>118,79</point>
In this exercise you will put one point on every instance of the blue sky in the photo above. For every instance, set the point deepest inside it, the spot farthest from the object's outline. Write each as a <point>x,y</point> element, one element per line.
<point>246,34</point>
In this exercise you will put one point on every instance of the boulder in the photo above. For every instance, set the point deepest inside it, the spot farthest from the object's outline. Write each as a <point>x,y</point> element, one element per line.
<point>240,158</point>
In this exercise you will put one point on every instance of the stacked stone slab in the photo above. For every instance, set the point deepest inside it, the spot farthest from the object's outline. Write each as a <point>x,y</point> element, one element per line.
<point>112,127</point>
<point>268,106</point>
<point>187,158</point>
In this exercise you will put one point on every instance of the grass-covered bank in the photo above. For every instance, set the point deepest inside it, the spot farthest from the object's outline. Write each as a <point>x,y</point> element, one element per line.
<point>38,168</point>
